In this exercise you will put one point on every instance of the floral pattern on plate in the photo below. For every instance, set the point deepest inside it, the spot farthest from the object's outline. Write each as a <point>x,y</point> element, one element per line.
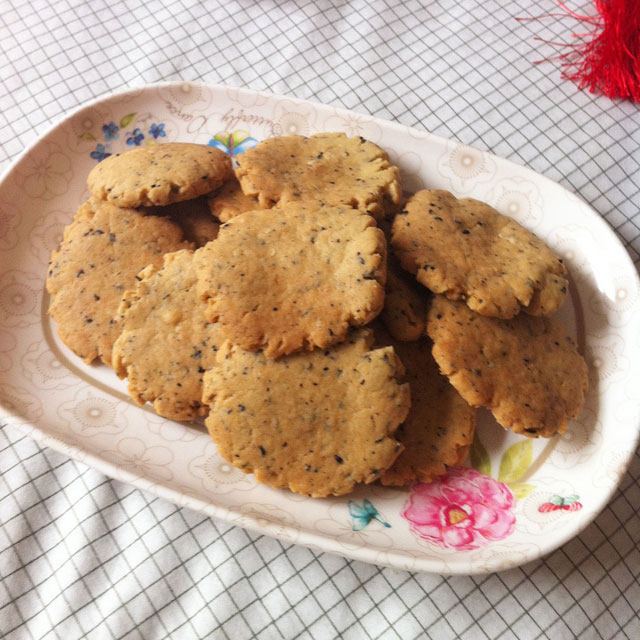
<point>462,510</point>
<point>135,137</point>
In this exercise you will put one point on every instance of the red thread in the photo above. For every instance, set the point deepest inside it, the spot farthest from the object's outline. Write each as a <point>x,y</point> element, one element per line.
<point>607,60</point>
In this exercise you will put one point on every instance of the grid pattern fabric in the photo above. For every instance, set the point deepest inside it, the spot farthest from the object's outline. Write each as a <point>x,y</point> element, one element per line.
<point>82,555</point>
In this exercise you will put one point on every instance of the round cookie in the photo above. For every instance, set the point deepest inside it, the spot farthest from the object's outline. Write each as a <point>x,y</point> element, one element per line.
<point>440,425</point>
<point>326,167</point>
<point>317,423</point>
<point>159,174</point>
<point>229,201</point>
<point>294,277</point>
<point>193,217</point>
<point>167,372</point>
<point>405,305</point>
<point>102,251</point>
<point>526,370</point>
<point>466,250</point>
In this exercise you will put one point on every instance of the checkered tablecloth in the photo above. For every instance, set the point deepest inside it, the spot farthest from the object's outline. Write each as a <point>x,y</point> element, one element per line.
<point>82,555</point>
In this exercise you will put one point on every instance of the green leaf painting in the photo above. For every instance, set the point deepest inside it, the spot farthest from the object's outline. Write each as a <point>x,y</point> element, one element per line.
<point>479,457</point>
<point>127,120</point>
<point>515,462</point>
<point>521,490</point>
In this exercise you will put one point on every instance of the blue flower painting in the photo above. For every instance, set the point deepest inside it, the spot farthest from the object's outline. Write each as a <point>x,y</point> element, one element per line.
<point>157,131</point>
<point>110,131</point>
<point>135,138</point>
<point>100,153</point>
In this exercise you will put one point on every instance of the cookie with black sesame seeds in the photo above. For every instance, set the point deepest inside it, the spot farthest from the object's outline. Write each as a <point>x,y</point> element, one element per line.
<point>468,251</point>
<point>405,304</point>
<point>385,218</point>
<point>440,425</point>
<point>192,216</point>
<point>317,423</point>
<point>229,201</point>
<point>166,372</point>
<point>295,277</point>
<point>159,174</point>
<point>326,167</point>
<point>101,253</point>
<point>526,370</point>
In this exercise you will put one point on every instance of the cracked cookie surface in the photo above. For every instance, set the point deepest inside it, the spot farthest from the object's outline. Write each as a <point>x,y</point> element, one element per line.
<point>525,370</point>
<point>439,427</point>
<point>229,201</point>
<point>166,344</point>
<point>295,277</point>
<point>405,304</point>
<point>159,174</point>
<point>317,423</point>
<point>466,250</point>
<point>102,251</point>
<point>326,167</point>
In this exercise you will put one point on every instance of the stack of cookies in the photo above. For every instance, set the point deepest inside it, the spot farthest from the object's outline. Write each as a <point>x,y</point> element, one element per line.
<point>495,286</point>
<point>276,301</point>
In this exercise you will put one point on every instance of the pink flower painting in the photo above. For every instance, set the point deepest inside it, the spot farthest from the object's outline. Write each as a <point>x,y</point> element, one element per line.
<point>462,510</point>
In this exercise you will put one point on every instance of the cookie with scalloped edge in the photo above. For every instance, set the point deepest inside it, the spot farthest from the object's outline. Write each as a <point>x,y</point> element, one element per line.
<point>192,216</point>
<point>468,251</point>
<point>295,277</point>
<point>229,201</point>
<point>159,174</point>
<point>166,344</point>
<point>526,370</point>
<point>405,304</point>
<point>101,253</point>
<point>439,427</point>
<point>315,422</point>
<point>326,167</point>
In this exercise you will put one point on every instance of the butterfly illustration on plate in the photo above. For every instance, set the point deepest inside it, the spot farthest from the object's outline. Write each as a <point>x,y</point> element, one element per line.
<point>569,503</point>
<point>363,514</point>
<point>233,143</point>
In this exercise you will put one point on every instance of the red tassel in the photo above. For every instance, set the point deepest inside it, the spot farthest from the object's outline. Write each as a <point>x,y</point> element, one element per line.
<point>607,61</point>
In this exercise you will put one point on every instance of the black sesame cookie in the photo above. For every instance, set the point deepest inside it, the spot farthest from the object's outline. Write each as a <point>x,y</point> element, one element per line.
<point>526,370</point>
<point>192,216</point>
<point>468,251</point>
<point>102,251</point>
<point>317,423</point>
<point>166,344</point>
<point>326,167</point>
<point>405,304</point>
<point>159,174</point>
<point>440,425</point>
<point>295,277</point>
<point>229,201</point>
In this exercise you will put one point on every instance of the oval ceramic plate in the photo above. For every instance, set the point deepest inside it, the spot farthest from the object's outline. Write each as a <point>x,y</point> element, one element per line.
<point>534,495</point>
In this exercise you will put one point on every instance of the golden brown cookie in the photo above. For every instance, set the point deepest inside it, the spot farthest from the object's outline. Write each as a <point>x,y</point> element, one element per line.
<point>526,370</point>
<point>229,201</point>
<point>102,251</point>
<point>466,250</point>
<point>405,305</point>
<point>159,174</point>
<point>193,217</point>
<point>295,277</point>
<point>440,425</point>
<point>326,167</point>
<point>166,344</point>
<point>317,423</point>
